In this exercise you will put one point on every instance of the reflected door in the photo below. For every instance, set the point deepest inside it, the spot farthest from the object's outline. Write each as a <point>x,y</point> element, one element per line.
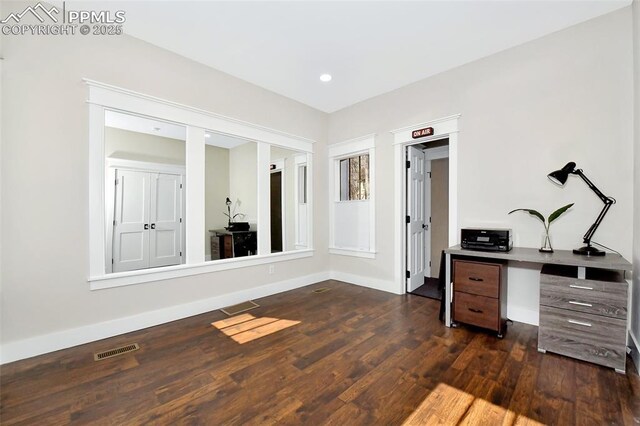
<point>276,212</point>
<point>131,221</point>
<point>165,217</point>
<point>147,228</point>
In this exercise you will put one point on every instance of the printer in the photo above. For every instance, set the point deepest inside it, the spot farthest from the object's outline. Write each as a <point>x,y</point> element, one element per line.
<point>486,239</point>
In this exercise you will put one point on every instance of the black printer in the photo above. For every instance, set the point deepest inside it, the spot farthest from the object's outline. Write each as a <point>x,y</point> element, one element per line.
<point>486,239</point>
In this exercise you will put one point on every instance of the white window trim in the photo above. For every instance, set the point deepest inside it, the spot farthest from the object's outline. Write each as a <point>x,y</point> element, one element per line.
<point>106,97</point>
<point>367,254</point>
<point>337,152</point>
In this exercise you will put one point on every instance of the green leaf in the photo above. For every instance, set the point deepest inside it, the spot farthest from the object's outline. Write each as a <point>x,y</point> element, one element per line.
<point>553,216</point>
<point>531,212</point>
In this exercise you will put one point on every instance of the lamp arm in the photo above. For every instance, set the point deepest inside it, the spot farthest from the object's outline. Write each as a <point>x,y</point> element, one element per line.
<point>608,201</point>
<point>592,229</point>
<point>590,184</point>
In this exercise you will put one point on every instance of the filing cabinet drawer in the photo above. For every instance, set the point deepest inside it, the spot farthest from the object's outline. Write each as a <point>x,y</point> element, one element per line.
<point>592,338</point>
<point>607,295</point>
<point>481,311</point>
<point>478,278</point>
<point>591,302</point>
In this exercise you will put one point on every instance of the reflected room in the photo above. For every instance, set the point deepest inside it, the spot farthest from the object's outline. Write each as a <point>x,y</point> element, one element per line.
<point>230,197</point>
<point>144,190</point>
<point>288,199</point>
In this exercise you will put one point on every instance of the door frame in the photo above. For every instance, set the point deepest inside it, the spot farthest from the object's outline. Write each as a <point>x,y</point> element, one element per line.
<point>446,127</point>
<point>279,166</point>
<point>109,189</point>
<point>430,154</point>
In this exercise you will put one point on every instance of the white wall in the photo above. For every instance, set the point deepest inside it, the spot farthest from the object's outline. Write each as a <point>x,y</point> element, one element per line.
<point>243,181</point>
<point>45,164</point>
<point>635,318</point>
<point>216,191</point>
<point>525,112</point>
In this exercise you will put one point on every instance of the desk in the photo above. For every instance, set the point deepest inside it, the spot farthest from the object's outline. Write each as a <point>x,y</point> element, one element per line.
<point>226,244</point>
<point>560,258</point>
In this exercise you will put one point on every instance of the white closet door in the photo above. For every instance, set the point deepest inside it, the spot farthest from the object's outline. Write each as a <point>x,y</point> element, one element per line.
<point>166,208</point>
<point>416,224</point>
<point>131,216</point>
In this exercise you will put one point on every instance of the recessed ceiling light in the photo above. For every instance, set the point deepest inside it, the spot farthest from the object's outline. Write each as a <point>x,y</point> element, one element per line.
<point>325,78</point>
<point>207,135</point>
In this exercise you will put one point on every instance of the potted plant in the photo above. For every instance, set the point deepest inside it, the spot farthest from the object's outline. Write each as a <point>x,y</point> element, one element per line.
<point>233,225</point>
<point>546,239</point>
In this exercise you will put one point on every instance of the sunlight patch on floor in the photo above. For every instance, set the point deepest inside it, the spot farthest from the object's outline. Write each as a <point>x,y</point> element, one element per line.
<point>245,328</point>
<point>447,405</point>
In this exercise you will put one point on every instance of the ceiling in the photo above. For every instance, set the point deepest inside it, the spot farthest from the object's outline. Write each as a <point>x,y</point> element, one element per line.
<point>368,47</point>
<point>150,126</point>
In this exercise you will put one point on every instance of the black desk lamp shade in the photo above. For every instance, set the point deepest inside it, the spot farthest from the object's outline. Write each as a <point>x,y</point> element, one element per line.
<point>559,177</point>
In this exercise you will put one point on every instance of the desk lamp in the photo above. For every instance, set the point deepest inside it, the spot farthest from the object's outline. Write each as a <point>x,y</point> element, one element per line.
<point>559,177</point>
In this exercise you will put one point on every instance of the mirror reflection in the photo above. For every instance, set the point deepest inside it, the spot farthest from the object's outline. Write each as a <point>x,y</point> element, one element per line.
<point>230,197</point>
<point>289,198</point>
<point>144,190</point>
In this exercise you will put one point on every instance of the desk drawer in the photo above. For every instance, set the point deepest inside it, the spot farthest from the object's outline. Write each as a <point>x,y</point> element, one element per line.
<point>482,279</point>
<point>476,310</point>
<point>592,338</point>
<point>606,296</point>
<point>588,301</point>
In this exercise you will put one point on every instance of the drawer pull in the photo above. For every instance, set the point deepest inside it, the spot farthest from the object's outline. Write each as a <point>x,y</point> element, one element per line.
<point>580,287</point>
<point>475,279</point>
<point>477,311</point>
<point>586,324</point>
<point>573,302</point>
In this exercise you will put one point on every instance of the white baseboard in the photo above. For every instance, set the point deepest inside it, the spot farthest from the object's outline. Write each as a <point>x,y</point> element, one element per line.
<point>520,314</point>
<point>27,348</point>
<point>374,283</point>
<point>635,350</point>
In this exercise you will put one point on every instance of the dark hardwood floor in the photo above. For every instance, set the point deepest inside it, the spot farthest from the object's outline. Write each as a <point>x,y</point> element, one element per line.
<point>359,356</point>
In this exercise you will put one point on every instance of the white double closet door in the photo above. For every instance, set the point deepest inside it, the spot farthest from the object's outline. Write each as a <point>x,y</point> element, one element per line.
<point>147,228</point>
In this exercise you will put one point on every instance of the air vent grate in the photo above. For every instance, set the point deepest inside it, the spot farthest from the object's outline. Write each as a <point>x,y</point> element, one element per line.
<point>240,307</point>
<point>115,352</point>
<point>321,289</point>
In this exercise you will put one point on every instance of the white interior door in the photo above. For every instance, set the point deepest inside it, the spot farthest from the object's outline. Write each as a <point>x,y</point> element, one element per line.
<point>131,217</point>
<point>427,218</point>
<point>416,220</point>
<point>165,220</point>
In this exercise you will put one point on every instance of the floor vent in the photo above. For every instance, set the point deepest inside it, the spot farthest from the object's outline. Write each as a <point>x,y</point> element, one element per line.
<point>115,352</point>
<point>240,307</point>
<point>321,289</point>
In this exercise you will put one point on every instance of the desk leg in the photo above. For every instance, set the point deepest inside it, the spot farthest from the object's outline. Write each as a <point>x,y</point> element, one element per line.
<point>447,291</point>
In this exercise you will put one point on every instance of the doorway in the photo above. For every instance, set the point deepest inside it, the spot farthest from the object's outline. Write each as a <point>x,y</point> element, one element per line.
<point>427,212</point>
<point>276,211</point>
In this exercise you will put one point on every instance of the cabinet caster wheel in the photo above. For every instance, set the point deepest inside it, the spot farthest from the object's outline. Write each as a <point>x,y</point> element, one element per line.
<point>454,324</point>
<point>500,336</point>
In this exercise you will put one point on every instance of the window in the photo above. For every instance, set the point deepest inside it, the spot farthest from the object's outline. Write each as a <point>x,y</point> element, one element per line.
<point>302,184</point>
<point>352,224</point>
<point>354,178</point>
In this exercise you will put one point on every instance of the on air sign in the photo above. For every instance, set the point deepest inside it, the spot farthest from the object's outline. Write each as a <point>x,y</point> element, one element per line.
<point>420,133</point>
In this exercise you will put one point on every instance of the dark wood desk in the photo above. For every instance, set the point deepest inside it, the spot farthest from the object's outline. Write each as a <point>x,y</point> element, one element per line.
<point>226,244</point>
